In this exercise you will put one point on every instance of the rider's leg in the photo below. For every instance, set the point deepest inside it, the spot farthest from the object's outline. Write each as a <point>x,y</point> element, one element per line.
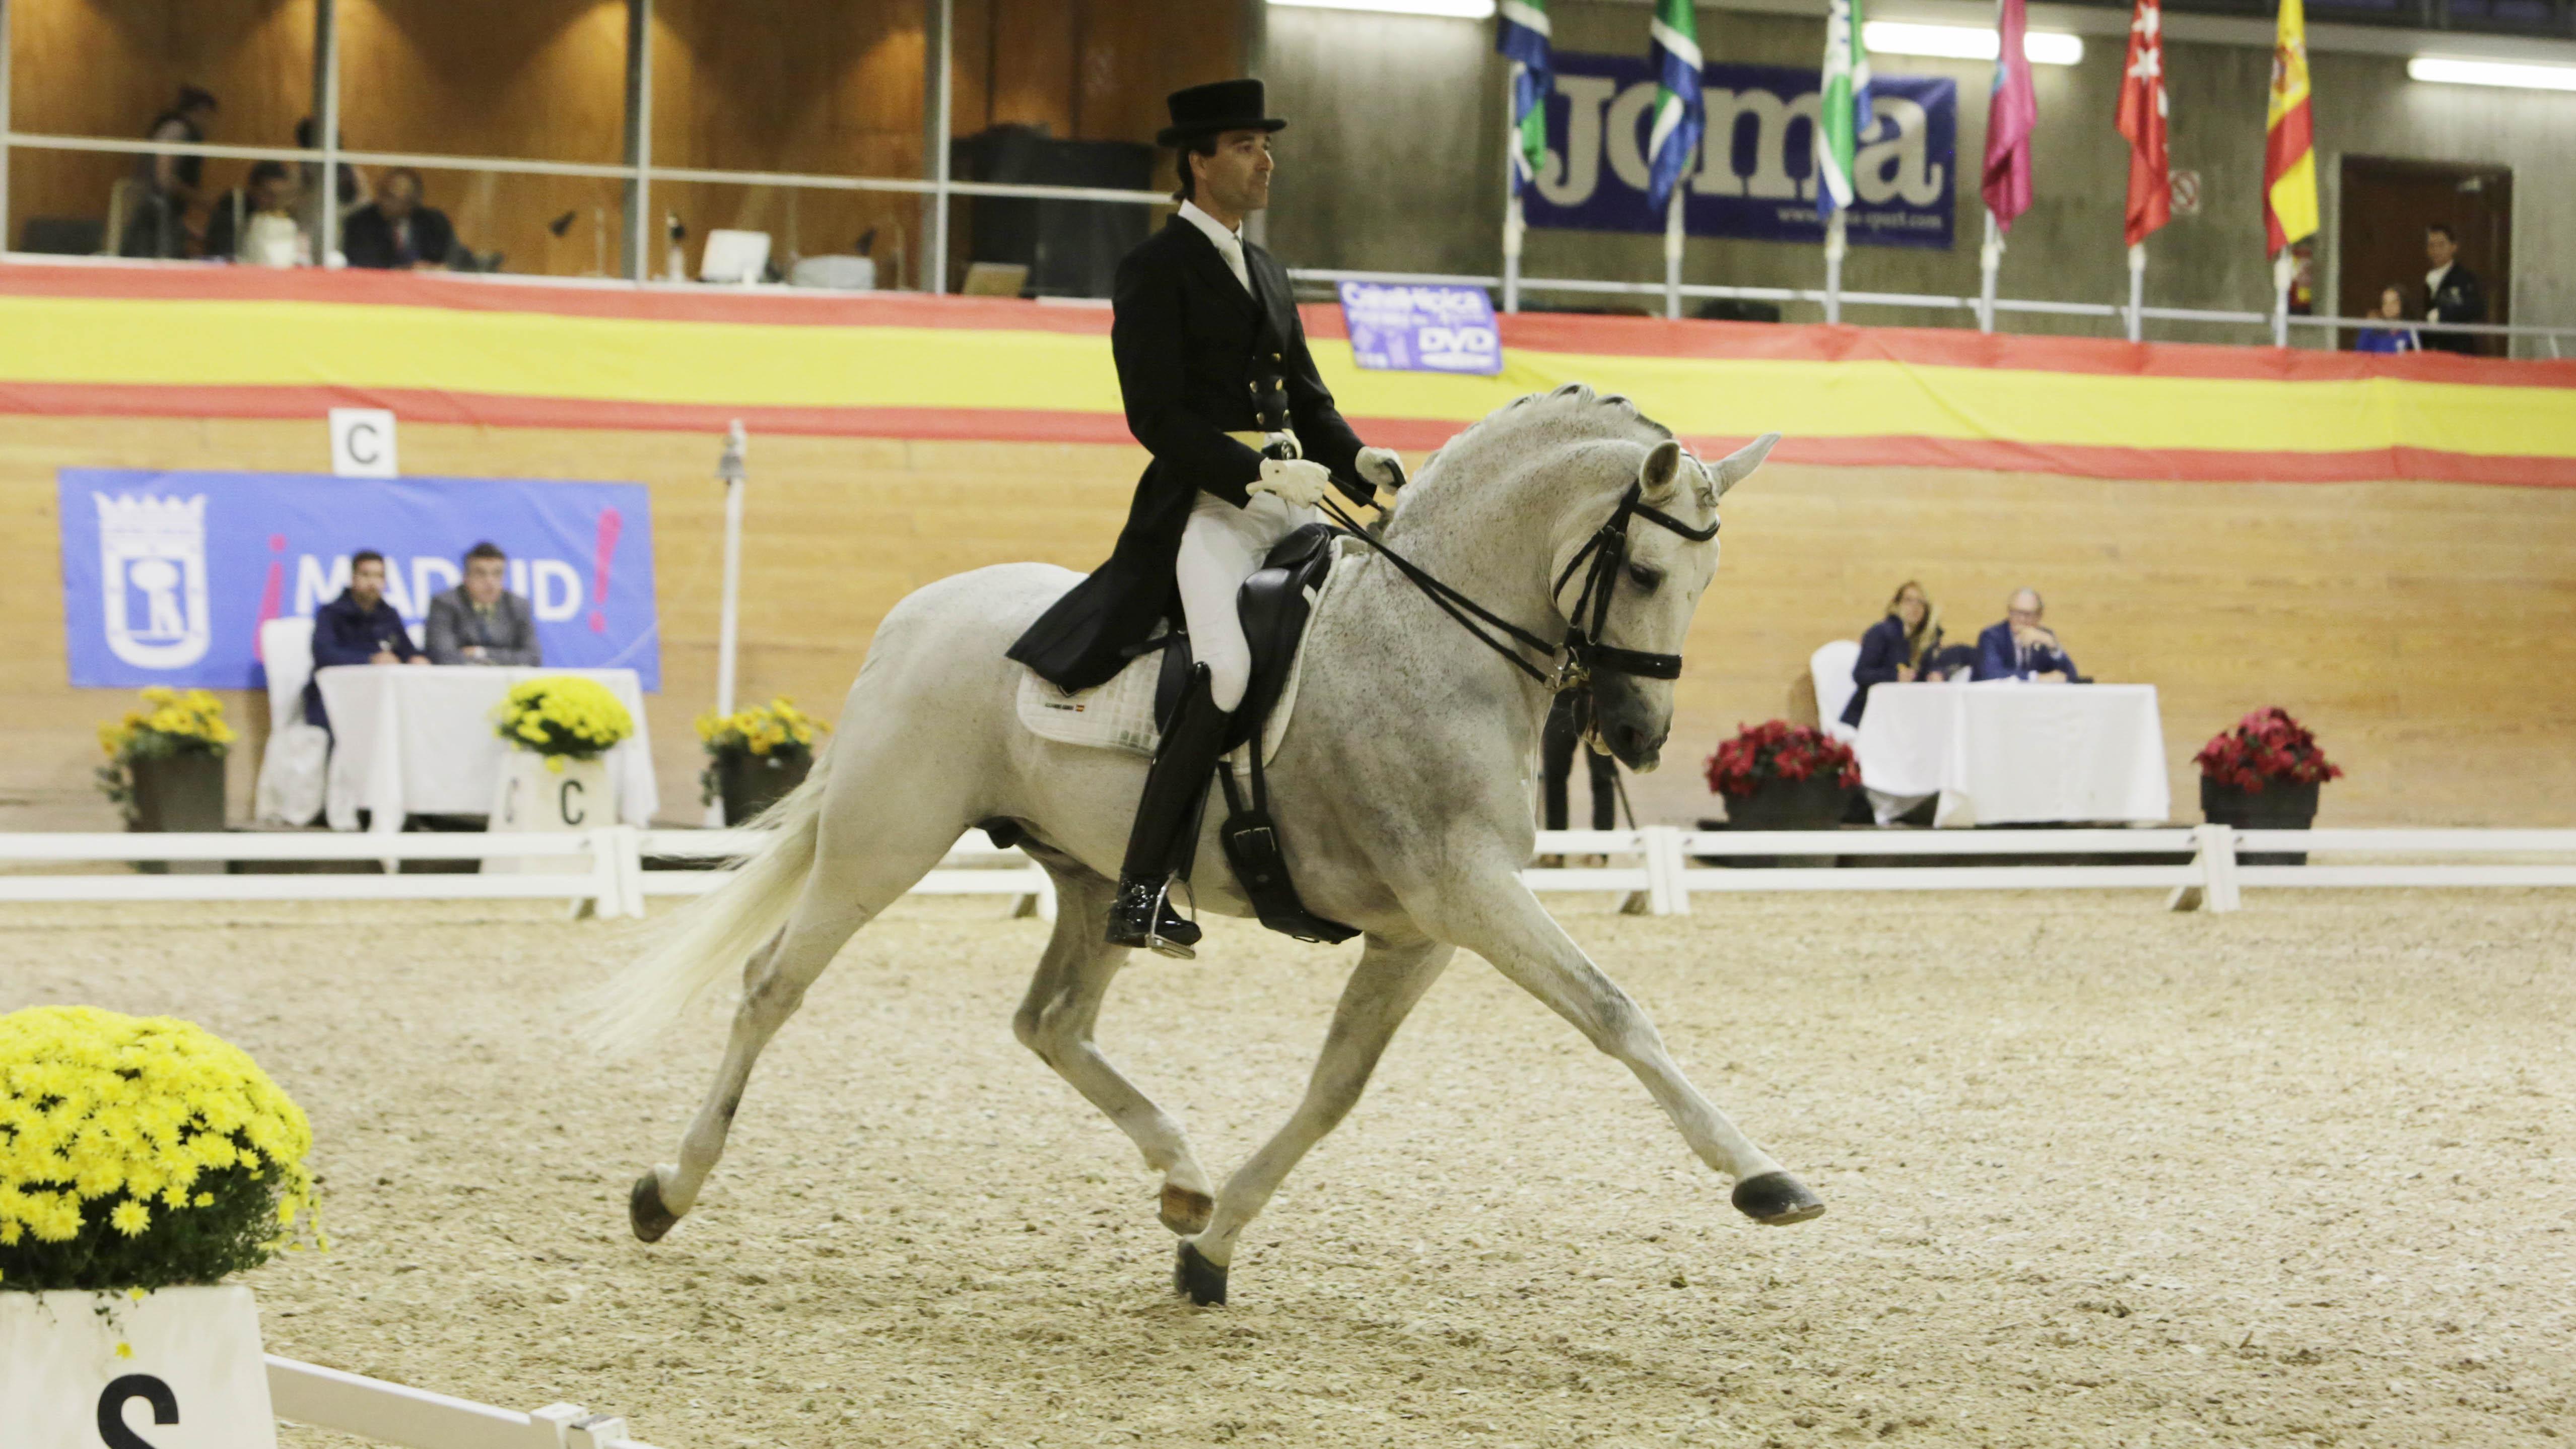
<point>1220,547</point>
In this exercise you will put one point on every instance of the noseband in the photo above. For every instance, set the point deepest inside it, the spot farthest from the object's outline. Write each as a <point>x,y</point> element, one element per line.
<point>1585,654</point>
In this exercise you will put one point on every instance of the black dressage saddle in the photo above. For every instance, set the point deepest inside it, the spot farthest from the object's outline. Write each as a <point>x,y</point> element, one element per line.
<point>1274,605</point>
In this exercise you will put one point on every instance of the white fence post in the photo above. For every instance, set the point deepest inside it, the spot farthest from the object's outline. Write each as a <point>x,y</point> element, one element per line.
<point>1666,896</point>
<point>2218,865</point>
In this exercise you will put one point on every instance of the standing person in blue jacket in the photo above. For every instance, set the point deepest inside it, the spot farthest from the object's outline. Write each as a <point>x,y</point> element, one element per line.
<point>1897,649</point>
<point>358,627</point>
<point>2023,648</point>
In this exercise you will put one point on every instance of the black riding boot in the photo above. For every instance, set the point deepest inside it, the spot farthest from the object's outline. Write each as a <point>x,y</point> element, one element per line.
<point>1166,835</point>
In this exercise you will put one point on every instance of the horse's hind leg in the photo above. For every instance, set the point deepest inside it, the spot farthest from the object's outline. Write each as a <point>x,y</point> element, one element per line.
<point>840,895</point>
<point>1055,1021</point>
<point>1381,992</point>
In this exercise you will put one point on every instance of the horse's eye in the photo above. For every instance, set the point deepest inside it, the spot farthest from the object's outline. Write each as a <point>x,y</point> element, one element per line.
<point>1644,577</point>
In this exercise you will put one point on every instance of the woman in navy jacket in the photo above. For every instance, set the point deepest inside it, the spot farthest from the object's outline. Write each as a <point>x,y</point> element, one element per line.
<point>1896,648</point>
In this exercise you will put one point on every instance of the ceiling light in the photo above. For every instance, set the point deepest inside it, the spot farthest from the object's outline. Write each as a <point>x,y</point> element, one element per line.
<point>1967,42</point>
<point>1447,9</point>
<point>2492,73</point>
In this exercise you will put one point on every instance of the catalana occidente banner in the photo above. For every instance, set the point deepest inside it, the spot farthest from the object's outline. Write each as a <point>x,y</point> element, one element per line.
<point>168,576</point>
<point>1756,176</point>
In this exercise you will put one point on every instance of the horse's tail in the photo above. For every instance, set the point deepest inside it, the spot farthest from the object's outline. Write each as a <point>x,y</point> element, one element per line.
<point>715,933</point>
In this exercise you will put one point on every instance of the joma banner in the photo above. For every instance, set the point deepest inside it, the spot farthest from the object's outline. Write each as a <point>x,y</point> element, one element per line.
<point>1756,173</point>
<point>168,576</point>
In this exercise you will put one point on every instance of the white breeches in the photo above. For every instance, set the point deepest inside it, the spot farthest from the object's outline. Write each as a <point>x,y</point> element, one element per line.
<point>1219,550</point>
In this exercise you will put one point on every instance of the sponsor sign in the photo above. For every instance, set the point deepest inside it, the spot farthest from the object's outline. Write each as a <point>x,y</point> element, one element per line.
<point>1756,172</point>
<point>1403,328</point>
<point>168,576</point>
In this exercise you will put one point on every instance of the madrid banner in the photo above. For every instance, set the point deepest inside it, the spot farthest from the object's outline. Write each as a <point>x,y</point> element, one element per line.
<point>1756,171</point>
<point>167,577</point>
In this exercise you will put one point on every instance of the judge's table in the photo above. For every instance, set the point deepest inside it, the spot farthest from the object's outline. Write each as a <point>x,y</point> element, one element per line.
<point>421,740</point>
<point>2015,752</point>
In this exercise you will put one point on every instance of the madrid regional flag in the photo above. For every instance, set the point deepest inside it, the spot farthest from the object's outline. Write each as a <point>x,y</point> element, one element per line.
<point>2289,138</point>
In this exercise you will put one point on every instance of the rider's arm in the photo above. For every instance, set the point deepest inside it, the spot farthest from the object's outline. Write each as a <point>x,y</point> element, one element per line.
<point>1321,433</point>
<point>1149,341</point>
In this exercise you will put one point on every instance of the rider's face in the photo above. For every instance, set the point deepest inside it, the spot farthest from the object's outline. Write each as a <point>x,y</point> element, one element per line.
<point>1235,182</point>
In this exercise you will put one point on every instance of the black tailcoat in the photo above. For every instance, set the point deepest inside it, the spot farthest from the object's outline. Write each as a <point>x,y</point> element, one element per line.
<point>1191,348</point>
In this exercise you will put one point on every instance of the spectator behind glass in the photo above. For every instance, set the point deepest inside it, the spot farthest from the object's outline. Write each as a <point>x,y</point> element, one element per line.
<point>2392,308</point>
<point>478,621</point>
<point>353,188</point>
<point>1898,649</point>
<point>397,232</point>
<point>2021,647</point>
<point>358,627</point>
<point>2451,292</point>
<point>255,222</point>
<point>168,181</point>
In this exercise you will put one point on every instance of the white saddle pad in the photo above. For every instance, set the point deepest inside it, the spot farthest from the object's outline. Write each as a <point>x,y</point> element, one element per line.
<point>1119,715</point>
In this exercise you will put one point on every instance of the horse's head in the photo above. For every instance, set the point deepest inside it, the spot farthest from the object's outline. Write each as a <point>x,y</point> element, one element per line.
<point>1645,608</point>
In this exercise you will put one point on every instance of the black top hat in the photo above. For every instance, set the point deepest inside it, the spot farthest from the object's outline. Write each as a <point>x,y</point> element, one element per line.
<point>1233,105</point>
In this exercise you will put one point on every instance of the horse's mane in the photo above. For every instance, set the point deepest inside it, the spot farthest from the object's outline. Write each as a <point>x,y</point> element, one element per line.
<point>1573,413</point>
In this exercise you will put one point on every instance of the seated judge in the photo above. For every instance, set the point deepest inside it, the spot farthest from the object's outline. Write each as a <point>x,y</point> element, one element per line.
<point>396,232</point>
<point>479,621</point>
<point>2021,647</point>
<point>1898,649</point>
<point>358,627</point>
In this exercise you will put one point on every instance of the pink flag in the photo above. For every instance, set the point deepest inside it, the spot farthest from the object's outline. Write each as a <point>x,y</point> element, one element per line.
<point>2012,111</point>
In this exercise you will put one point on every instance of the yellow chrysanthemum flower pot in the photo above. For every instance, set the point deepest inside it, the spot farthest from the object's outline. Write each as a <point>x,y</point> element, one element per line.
<point>755,756</point>
<point>142,1160</point>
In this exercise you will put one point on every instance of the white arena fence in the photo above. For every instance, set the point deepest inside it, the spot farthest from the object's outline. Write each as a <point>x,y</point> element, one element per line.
<point>347,1403</point>
<point>614,871</point>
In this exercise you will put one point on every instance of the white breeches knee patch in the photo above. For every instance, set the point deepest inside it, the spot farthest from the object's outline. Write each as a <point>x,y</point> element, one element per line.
<point>1219,550</point>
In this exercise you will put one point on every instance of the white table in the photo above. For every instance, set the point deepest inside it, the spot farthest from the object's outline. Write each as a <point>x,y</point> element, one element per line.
<point>421,740</point>
<point>2013,752</point>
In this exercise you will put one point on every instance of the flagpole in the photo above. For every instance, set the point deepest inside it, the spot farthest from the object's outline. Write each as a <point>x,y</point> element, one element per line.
<point>1673,252</point>
<point>1990,259</point>
<point>1834,246</point>
<point>2284,268</point>
<point>2137,290</point>
<point>1514,224</point>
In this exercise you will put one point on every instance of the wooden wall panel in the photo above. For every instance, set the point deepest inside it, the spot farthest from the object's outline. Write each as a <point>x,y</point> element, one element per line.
<point>2413,625</point>
<point>825,86</point>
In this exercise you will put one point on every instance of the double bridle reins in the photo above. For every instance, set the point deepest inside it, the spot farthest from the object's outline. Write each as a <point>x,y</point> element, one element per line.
<point>1586,622</point>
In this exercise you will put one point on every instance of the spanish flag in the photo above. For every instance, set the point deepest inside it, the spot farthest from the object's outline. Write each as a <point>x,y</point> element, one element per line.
<point>2289,140</point>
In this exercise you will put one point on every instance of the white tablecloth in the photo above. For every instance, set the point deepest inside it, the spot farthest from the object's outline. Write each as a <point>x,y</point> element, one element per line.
<point>2013,752</point>
<point>420,740</point>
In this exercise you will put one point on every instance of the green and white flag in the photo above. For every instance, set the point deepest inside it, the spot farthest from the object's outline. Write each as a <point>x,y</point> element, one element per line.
<point>1842,111</point>
<point>1673,50</point>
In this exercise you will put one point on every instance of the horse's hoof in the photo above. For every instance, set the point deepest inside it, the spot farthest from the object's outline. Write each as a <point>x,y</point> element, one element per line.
<point>1197,1279</point>
<point>644,1209</point>
<point>1777,1199</point>
<point>1186,1210</point>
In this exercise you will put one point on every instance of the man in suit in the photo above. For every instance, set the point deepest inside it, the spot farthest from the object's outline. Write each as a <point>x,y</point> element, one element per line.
<point>396,232</point>
<point>479,621</point>
<point>1219,387</point>
<point>2021,647</point>
<point>2451,293</point>
<point>358,627</point>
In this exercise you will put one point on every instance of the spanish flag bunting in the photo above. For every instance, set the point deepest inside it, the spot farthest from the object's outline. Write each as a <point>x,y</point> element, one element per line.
<point>2289,141</point>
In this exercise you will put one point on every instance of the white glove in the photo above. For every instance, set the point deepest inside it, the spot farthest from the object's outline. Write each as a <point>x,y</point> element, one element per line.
<point>1383,468</point>
<point>1298,481</point>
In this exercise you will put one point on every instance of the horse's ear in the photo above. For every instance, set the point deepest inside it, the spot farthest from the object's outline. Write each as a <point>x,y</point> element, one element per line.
<point>1737,466</point>
<point>1661,473</point>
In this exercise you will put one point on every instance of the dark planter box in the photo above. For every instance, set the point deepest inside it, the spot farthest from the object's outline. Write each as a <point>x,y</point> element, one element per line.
<point>178,793</point>
<point>2281,805</point>
<point>751,783</point>
<point>1815,803</point>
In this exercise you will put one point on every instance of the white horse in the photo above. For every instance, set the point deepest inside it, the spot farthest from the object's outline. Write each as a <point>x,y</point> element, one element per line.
<point>1401,791</point>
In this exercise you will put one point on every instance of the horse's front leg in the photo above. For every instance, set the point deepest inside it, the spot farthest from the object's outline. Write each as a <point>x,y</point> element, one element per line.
<point>1506,925</point>
<point>1382,990</point>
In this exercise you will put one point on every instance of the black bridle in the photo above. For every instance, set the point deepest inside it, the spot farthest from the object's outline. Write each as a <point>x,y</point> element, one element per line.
<point>1585,623</point>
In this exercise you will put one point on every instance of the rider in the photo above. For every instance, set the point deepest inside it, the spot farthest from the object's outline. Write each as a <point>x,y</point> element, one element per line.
<point>1219,387</point>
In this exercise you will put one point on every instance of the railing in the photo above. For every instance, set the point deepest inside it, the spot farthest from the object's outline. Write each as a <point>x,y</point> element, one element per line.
<point>612,871</point>
<point>347,1403</point>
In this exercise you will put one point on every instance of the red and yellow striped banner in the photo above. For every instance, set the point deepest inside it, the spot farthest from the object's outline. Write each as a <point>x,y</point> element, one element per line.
<point>242,342</point>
